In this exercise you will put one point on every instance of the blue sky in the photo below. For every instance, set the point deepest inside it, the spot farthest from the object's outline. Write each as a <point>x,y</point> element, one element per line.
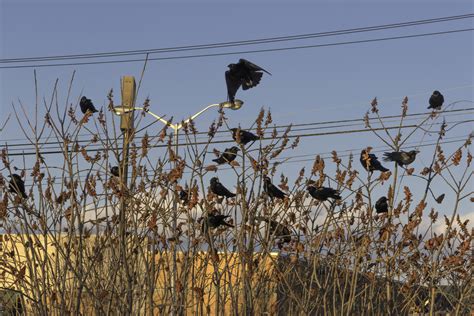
<point>307,85</point>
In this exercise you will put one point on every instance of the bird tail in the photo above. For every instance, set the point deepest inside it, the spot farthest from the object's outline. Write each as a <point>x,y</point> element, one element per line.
<point>227,224</point>
<point>383,169</point>
<point>388,157</point>
<point>217,161</point>
<point>231,195</point>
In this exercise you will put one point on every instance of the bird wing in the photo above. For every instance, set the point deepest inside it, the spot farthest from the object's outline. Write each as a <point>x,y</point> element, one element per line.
<point>233,85</point>
<point>251,80</point>
<point>251,66</point>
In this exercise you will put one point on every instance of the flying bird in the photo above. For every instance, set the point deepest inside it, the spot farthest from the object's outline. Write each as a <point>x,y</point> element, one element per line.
<point>115,171</point>
<point>245,74</point>
<point>323,193</point>
<point>220,190</point>
<point>272,190</point>
<point>381,206</point>
<point>228,155</point>
<point>214,220</point>
<point>372,163</point>
<point>17,185</point>
<point>87,105</point>
<point>436,100</point>
<point>401,157</point>
<point>277,229</point>
<point>243,136</point>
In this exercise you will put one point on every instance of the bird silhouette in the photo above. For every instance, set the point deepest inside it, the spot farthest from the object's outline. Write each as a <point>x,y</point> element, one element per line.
<point>214,220</point>
<point>372,163</point>
<point>17,185</point>
<point>272,190</point>
<point>323,193</point>
<point>184,196</point>
<point>115,171</point>
<point>87,105</point>
<point>277,229</point>
<point>245,137</point>
<point>402,158</point>
<point>227,156</point>
<point>381,206</point>
<point>220,190</point>
<point>245,74</point>
<point>436,100</point>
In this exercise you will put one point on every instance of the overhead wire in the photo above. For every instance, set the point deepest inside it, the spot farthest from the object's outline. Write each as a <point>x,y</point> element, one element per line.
<point>241,42</point>
<point>245,52</point>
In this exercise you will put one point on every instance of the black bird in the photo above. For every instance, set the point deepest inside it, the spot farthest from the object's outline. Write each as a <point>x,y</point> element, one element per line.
<point>436,100</point>
<point>244,136</point>
<point>272,190</point>
<point>372,164</point>
<point>228,155</point>
<point>219,189</point>
<point>381,206</point>
<point>245,74</point>
<point>323,193</point>
<point>115,171</point>
<point>17,185</point>
<point>401,157</point>
<point>214,220</point>
<point>87,105</point>
<point>184,196</point>
<point>277,229</point>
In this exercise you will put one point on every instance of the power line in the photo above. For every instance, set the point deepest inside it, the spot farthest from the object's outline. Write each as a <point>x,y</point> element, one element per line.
<point>343,132</point>
<point>239,43</point>
<point>280,128</point>
<point>245,52</point>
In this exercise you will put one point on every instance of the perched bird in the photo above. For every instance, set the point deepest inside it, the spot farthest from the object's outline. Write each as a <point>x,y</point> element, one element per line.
<point>17,185</point>
<point>244,136</point>
<point>87,105</point>
<point>401,157</point>
<point>184,196</point>
<point>271,189</point>
<point>115,171</point>
<point>245,74</point>
<point>381,206</point>
<point>323,193</point>
<point>220,190</point>
<point>277,229</point>
<point>436,100</point>
<point>372,163</point>
<point>214,220</point>
<point>228,155</point>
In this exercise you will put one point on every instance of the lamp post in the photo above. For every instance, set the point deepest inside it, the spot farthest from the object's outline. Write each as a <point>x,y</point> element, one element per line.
<point>125,111</point>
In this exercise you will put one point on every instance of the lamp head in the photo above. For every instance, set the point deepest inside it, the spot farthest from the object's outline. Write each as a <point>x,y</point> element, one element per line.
<point>237,104</point>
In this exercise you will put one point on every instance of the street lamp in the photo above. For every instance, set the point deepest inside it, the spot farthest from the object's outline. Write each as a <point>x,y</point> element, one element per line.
<point>121,110</point>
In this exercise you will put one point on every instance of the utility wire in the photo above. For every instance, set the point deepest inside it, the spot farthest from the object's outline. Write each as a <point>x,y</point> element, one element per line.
<point>343,132</point>
<point>239,43</point>
<point>280,128</point>
<point>244,52</point>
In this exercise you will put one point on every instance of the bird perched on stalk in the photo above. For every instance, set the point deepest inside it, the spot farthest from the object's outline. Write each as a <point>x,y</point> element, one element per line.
<point>402,158</point>
<point>323,193</point>
<point>370,162</point>
<point>272,190</point>
<point>115,171</point>
<point>245,74</point>
<point>184,196</point>
<point>242,136</point>
<point>214,220</point>
<point>381,206</point>
<point>436,100</point>
<point>279,230</point>
<point>87,105</point>
<point>228,155</point>
<point>219,189</point>
<point>17,185</point>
